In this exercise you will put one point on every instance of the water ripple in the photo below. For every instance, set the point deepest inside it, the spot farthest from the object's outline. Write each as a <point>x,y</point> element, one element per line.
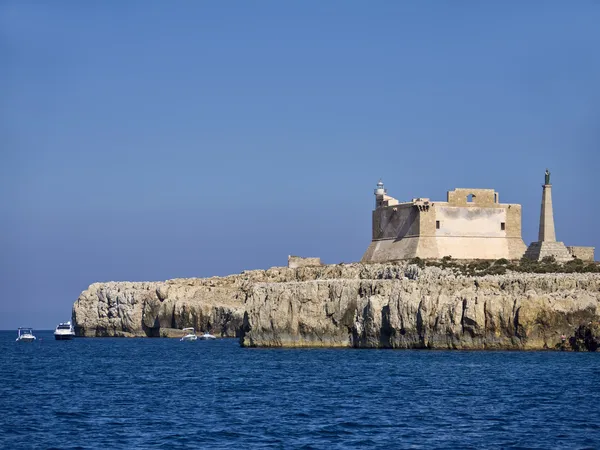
<point>160,393</point>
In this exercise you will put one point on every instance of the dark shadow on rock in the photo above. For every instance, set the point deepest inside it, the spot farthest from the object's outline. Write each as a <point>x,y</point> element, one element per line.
<point>153,331</point>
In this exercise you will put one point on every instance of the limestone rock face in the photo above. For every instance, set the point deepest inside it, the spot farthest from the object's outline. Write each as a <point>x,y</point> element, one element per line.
<point>393,305</point>
<point>403,306</point>
<point>586,337</point>
<point>160,308</point>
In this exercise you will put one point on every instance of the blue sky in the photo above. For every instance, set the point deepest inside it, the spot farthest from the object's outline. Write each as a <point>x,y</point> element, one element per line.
<point>148,140</point>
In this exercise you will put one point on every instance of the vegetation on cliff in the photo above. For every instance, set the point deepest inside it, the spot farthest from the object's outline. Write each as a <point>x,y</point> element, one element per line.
<point>502,266</point>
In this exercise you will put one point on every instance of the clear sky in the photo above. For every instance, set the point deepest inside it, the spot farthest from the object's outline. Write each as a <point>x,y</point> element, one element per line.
<point>148,140</point>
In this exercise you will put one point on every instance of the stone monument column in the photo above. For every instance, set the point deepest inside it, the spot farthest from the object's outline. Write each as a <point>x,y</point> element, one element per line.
<point>546,244</point>
<point>547,216</point>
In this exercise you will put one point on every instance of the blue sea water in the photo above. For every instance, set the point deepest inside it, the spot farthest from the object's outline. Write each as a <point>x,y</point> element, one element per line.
<point>109,393</point>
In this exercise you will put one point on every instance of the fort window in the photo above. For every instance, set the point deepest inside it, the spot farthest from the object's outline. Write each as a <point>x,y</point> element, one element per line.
<point>470,198</point>
<point>437,224</point>
<point>502,226</point>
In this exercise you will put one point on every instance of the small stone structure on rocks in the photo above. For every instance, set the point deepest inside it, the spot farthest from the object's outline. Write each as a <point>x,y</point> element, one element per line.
<point>583,253</point>
<point>298,261</point>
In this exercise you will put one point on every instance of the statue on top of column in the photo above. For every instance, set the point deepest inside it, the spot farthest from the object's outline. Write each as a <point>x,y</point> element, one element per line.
<point>547,177</point>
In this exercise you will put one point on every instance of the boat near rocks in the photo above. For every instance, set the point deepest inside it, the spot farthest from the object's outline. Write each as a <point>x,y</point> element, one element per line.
<point>190,336</point>
<point>64,332</point>
<point>207,336</point>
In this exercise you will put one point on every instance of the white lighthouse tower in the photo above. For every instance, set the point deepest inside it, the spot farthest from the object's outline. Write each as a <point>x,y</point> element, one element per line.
<point>381,197</point>
<point>380,192</point>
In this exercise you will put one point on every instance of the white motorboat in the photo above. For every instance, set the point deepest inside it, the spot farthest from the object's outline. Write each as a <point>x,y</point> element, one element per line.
<point>25,335</point>
<point>190,336</point>
<point>64,331</point>
<point>207,336</point>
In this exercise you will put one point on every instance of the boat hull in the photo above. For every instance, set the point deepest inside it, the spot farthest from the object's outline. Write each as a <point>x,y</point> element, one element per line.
<point>26,339</point>
<point>63,337</point>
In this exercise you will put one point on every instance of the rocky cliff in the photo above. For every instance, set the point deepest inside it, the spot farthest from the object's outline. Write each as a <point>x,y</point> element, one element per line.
<point>163,308</point>
<point>354,305</point>
<point>160,308</point>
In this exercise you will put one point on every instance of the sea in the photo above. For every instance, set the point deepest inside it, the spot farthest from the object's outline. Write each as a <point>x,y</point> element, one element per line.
<point>113,393</point>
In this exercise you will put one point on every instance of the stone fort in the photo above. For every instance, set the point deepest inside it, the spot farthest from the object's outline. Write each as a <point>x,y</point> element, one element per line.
<point>470,224</point>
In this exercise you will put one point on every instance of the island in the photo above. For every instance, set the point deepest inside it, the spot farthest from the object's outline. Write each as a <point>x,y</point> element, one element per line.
<point>437,275</point>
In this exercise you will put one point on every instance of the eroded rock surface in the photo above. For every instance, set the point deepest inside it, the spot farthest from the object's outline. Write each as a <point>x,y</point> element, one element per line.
<point>403,306</point>
<point>160,308</point>
<point>351,305</point>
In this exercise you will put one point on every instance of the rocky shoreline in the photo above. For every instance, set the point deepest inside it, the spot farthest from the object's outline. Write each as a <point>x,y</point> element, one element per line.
<point>393,305</point>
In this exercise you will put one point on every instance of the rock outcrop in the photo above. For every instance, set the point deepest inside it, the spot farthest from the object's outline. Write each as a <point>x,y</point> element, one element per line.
<point>586,337</point>
<point>396,305</point>
<point>160,308</point>
<point>404,306</point>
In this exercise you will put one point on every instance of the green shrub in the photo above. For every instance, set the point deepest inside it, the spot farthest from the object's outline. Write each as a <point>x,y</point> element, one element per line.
<point>417,261</point>
<point>527,265</point>
<point>501,262</point>
<point>496,270</point>
<point>553,268</point>
<point>591,268</point>
<point>483,265</point>
<point>524,262</point>
<point>576,265</point>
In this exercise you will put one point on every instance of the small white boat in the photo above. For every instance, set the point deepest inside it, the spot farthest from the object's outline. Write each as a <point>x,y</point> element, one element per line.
<point>64,331</point>
<point>207,336</point>
<point>190,336</point>
<point>25,335</point>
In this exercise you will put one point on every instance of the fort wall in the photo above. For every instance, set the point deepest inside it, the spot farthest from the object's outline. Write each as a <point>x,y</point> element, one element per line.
<point>395,222</point>
<point>583,253</point>
<point>470,225</point>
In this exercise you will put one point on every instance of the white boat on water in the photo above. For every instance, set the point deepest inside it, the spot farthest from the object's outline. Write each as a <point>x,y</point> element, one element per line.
<point>25,335</point>
<point>64,331</point>
<point>206,336</point>
<point>190,336</point>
